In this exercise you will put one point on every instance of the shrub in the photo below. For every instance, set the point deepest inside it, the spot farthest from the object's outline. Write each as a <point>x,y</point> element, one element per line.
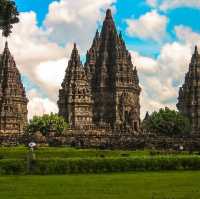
<point>12,167</point>
<point>46,124</point>
<point>99,165</point>
<point>167,122</point>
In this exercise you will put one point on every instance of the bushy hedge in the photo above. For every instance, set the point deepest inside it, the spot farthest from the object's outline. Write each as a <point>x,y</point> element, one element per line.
<point>167,122</point>
<point>99,165</point>
<point>13,167</point>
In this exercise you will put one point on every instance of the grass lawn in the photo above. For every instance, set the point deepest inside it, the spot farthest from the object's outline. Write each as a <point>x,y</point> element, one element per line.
<point>139,185</point>
<point>67,152</point>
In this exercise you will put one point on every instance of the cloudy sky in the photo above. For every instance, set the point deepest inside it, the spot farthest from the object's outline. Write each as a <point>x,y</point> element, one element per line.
<point>160,35</point>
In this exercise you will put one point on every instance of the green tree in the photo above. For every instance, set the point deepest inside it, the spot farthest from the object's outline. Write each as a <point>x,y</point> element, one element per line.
<point>46,124</point>
<point>167,122</point>
<point>8,16</point>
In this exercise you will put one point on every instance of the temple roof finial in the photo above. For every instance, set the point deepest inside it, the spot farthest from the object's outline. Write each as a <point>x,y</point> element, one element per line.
<point>6,49</point>
<point>108,13</point>
<point>75,50</point>
<point>6,44</point>
<point>75,55</point>
<point>196,50</point>
<point>97,33</point>
<point>120,34</point>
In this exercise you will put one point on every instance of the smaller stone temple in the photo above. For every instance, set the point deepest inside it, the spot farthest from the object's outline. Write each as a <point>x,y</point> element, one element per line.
<point>75,99</point>
<point>189,93</point>
<point>13,101</point>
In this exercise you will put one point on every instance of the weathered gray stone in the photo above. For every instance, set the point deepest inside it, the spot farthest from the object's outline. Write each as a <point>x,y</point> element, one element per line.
<point>189,93</point>
<point>105,93</point>
<point>13,101</point>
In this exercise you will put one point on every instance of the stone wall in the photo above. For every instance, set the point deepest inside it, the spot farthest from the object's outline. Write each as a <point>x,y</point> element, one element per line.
<point>106,139</point>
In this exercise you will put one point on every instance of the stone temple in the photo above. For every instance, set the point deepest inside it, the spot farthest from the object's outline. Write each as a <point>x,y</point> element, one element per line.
<point>75,98</point>
<point>189,93</point>
<point>13,101</point>
<point>105,91</point>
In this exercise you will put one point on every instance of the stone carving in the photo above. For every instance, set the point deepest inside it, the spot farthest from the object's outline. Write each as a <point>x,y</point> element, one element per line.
<point>189,93</point>
<point>109,80</point>
<point>13,101</point>
<point>75,100</point>
<point>111,73</point>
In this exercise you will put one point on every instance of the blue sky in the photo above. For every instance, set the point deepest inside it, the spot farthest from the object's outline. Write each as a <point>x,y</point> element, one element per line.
<point>128,9</point>
<point>160,34</point>
<point>186,16</point>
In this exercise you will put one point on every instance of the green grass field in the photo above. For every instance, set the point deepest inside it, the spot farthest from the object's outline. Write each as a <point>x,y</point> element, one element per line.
<point>139,185</point>
<point>64,152</point>
<point>136,185</point>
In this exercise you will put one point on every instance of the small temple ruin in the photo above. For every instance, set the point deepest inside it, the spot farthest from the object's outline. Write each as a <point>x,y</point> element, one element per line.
<point>100,99</point>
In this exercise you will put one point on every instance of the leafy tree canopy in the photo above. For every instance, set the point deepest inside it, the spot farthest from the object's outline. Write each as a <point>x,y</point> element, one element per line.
<point>167,122</point>
<point>46,124</point>
<point>8,16</point>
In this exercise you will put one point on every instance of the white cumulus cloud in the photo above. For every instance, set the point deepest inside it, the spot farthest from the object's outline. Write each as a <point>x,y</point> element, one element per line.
<point>171,4</point>
<point>39,106</point>
<point>151,25</point>
<point>160,78</point>
<point>69,20</point>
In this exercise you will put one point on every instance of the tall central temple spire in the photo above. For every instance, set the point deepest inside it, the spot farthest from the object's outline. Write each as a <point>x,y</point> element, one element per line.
<point>113,79</point>
<point>108,25</point>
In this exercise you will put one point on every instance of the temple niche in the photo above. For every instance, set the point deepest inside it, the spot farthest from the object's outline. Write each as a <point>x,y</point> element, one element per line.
<point>128,111</point>
<point>13,101</point>
<point>189,93</point>
<point>110,81</point>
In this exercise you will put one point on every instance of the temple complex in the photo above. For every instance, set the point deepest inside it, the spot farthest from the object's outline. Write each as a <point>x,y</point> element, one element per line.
<point>100,99</point>
<point>189,93</point>
<point>13,101</point>
<point>105,93</point>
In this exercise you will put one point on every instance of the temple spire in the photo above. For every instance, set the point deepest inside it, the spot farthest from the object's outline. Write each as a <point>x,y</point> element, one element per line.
<point>74,93</point>
<point>97,34</point>
<point>135,76</point>
<point>96,39</point>
<point>6,49</point>
<point>12,96</point>
<point>6,45</point>
<point>188,100</point>
<point>196,50</point>
<point>108,14</point>
<point>75,50</point>
<point>108,24</point>
<point>75,57</point>
<point>196,55</point>
<point>120,34</point>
